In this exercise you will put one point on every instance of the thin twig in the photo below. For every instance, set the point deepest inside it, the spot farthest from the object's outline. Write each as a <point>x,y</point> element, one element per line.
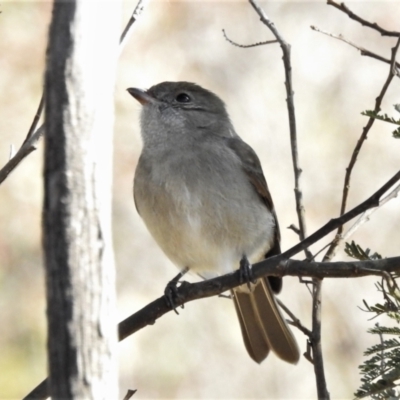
<point>363,51</point>
<point>294,320</point>
<point>247,46</point>
<point>27,147</point>
<point>129,394</point>
<point>294,228</point>
<point>41,392</point>
<point>30,145</point>
<point>364,217</point>
<point>36,118</point>
<point>346,187</point>
<point>135,15</point>
<point>316,334</point>
<point>292,119</point>
<point>373,25</point>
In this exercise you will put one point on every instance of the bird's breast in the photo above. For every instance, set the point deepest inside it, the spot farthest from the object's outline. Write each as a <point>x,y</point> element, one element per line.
<point>202,215</point>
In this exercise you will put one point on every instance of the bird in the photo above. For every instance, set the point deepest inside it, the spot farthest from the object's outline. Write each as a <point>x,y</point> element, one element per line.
<point>202,194</point>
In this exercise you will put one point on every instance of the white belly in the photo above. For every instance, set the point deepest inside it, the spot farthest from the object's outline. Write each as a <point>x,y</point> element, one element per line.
<point>202,231</point>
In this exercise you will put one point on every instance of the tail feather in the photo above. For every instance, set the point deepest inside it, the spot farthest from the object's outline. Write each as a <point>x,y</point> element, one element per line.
<point>262,324</point>
<point>253,335</point>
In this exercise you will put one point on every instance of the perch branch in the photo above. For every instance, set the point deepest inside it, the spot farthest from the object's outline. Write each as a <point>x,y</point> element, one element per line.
<point>279,265</point>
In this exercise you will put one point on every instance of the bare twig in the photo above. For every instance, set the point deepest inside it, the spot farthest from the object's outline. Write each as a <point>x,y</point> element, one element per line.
<point>36,118</point>
<point>294,228</point>
<point>247,46</point>
<point>135,15</point>
<point>292,119</point>
<point>363,51</point>
<point>30,145</point>
<point>294,320</point>
<point>364,217</point>
<point>316,344</point>
<point>129,394</point>
<point>373,25</point>
<point>346,187</point>
<point>41,392</point>
<point>27,147</point>
<point>371,202</point>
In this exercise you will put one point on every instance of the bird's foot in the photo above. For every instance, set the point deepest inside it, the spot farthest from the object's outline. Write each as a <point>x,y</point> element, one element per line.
<point>246,274</point>
<point>171,290</point>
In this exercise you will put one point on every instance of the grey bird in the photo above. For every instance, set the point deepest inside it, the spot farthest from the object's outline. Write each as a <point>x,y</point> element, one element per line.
<point>202,194</point>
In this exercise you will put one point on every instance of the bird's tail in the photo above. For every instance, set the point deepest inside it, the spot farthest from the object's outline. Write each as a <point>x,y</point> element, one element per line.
<point>262,323</point>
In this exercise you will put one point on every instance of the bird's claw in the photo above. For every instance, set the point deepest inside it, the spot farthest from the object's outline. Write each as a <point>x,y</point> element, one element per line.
<point>171,291</point>
<point>246,274</point>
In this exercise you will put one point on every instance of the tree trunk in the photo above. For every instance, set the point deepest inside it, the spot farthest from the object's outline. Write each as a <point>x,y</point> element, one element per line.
<point>79,84</point>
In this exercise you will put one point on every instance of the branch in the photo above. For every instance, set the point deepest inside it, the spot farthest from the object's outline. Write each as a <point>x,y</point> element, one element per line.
<point>292,119</point>
<point>279,265</point>
<point>35,119</point>
<point>364,217</point>
<point>378,101</point>
<point>362,50</point>
<point>247,46</point>
<point>373,25</point>
<point>273,266</point>
<point>294,320</point>
<point>135,15</point>
<point>27,147</point>
<point>316,344</point>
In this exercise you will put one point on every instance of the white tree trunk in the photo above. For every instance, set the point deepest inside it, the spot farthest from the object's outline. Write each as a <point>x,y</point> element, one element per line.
<point>79,85</point>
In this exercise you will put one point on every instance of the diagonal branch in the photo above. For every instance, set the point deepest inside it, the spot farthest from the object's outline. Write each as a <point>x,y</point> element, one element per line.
<point>373,25</point>
<point>363,51</point>
<point>135,15</point>
<point>364,217</point>
<point>346,187</point>
<point>27,147</point>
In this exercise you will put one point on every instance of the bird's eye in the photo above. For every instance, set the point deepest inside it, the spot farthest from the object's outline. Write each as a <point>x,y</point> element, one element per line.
<point>183,98</point>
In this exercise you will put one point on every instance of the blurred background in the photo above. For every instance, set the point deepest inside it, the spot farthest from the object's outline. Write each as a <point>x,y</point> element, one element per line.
<point>200,354</point>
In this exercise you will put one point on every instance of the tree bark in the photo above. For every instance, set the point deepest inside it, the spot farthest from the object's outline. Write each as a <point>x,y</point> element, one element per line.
<point>79,84</point>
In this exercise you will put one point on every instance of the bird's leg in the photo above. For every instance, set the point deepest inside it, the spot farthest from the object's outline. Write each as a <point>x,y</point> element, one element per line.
<point>246,274</point>
<point>171,292</point>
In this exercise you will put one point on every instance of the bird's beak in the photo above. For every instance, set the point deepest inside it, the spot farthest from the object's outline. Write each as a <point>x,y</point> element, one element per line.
<point>141,96</point>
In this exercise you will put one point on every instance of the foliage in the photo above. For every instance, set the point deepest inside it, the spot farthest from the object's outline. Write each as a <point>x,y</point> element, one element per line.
<point>386,118</point>
<point>355,251</point>
<point>380,373</point>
